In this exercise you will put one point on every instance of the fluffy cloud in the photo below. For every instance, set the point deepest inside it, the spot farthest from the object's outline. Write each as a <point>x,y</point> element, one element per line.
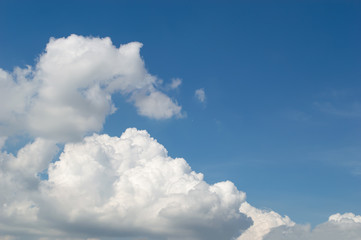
<point>269,225</point>
<point>19,184</point>
<point>156,105</point>
<point>339,226</point>
<point>115,187</point>
<point>263,222</point>
<point>200,95</point>
<point>103,186</point>
<point>16,91</point>
<point>68,93</point>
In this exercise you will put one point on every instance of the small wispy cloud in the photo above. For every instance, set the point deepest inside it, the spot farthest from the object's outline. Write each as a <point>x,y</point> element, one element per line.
<point>298,116</point>
<point>348,157</point>
<point>351,110</point>
<point>200,95</point>
<point>176,82</point>
<point>355,167</point>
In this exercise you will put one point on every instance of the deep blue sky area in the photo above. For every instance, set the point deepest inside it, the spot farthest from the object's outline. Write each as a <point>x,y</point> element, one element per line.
<point>282,116</point>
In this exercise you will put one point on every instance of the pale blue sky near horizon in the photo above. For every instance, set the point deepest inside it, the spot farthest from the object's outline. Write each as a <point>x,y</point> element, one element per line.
<point>282,82</point>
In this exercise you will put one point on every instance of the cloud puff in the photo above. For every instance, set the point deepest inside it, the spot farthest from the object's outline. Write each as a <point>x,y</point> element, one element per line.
<point>115,187</point>
<point>156,105</point>
<point>19,184</point>
<point>200,95</point>
<point>345,218</point>
<point>68,93</point>
<point>339,226</point>
<point>269,225</point>
<point>176,82</point>
<point>263,222</point>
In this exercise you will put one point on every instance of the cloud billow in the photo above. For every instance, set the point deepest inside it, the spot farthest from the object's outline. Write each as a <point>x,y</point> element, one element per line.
<point>68,93</point>
<point>339,226</point>
<point>120,187</point>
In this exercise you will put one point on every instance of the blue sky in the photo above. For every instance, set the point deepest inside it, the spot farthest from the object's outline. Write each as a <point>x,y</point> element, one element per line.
<point>282,113</point>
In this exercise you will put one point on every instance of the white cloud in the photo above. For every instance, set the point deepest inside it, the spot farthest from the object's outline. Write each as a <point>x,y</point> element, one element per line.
<point>156,105</point>
<point>269,225</point>
<point>68,93</point>
<point>200,95</point>
<point>345,218</point>
<point>121,187</point>
<point>263,222</point>
<point>176,82</point>
<point>16,91</point>
<point>19,184</point>
<point>339,226</point>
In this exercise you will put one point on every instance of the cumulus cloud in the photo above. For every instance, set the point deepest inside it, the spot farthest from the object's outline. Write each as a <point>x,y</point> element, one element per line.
<point>120,187</point>
<point>68,93</point>
<point>200,95</point>
<point>19,184</point>
<point>269,225</point>
<point>339,226</point>
<point>101,187</point>
<point>345,218</point>
<point>263,222</point>
<point>16,91</point>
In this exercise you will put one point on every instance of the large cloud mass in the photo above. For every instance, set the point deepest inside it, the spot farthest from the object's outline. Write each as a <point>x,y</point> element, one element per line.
<point>129,188</point>
<point>114,187</point>
<point>68,93</point>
